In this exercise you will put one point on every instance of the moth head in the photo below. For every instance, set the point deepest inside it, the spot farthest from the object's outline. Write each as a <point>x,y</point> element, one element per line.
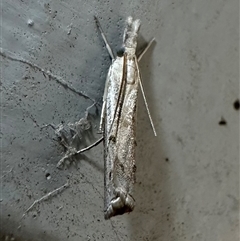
<point>130,34</point>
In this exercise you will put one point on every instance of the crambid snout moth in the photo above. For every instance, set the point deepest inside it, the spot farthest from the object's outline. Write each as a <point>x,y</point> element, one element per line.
<point>118,122</point>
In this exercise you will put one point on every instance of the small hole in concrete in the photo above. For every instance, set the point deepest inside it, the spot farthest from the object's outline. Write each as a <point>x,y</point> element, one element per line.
<point>48,176</point>
<point>222,122</point>
<point>236,105</point>
<point>166,159</point>
<point>110,175</point>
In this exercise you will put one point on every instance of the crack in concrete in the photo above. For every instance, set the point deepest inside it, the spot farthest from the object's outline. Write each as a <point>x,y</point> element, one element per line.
<point>46,197</point>
<point>50,75</point>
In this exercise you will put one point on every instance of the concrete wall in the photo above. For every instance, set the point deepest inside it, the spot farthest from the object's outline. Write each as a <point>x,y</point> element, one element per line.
<point>187,177</point>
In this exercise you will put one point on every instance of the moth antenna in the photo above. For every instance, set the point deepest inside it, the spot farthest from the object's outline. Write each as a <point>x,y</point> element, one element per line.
<point>104,38</point>
<point>146,49</point>
<point>145,101</point>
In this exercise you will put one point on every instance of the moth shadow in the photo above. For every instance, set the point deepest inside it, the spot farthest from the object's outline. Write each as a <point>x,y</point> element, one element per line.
<point>73,137</point>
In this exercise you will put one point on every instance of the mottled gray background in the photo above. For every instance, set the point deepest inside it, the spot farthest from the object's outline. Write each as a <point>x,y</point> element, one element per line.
<point>187,177</point>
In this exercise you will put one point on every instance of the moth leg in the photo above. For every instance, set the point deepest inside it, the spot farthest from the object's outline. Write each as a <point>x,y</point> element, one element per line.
<point>91,146</point>
<point>146,49</point>
<point>104,38</point>
<point>145,100</point>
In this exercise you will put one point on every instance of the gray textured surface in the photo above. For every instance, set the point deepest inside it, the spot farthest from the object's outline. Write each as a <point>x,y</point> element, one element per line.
<point>187,178</point>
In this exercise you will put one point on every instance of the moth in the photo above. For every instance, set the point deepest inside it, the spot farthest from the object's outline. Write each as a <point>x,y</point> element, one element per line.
<point>118,122</point>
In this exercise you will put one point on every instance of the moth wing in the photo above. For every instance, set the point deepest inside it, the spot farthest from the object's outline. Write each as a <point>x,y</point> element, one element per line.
<point>114,83</point>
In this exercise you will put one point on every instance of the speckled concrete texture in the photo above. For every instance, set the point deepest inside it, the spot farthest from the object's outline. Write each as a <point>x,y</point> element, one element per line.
<point>54,65</point>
